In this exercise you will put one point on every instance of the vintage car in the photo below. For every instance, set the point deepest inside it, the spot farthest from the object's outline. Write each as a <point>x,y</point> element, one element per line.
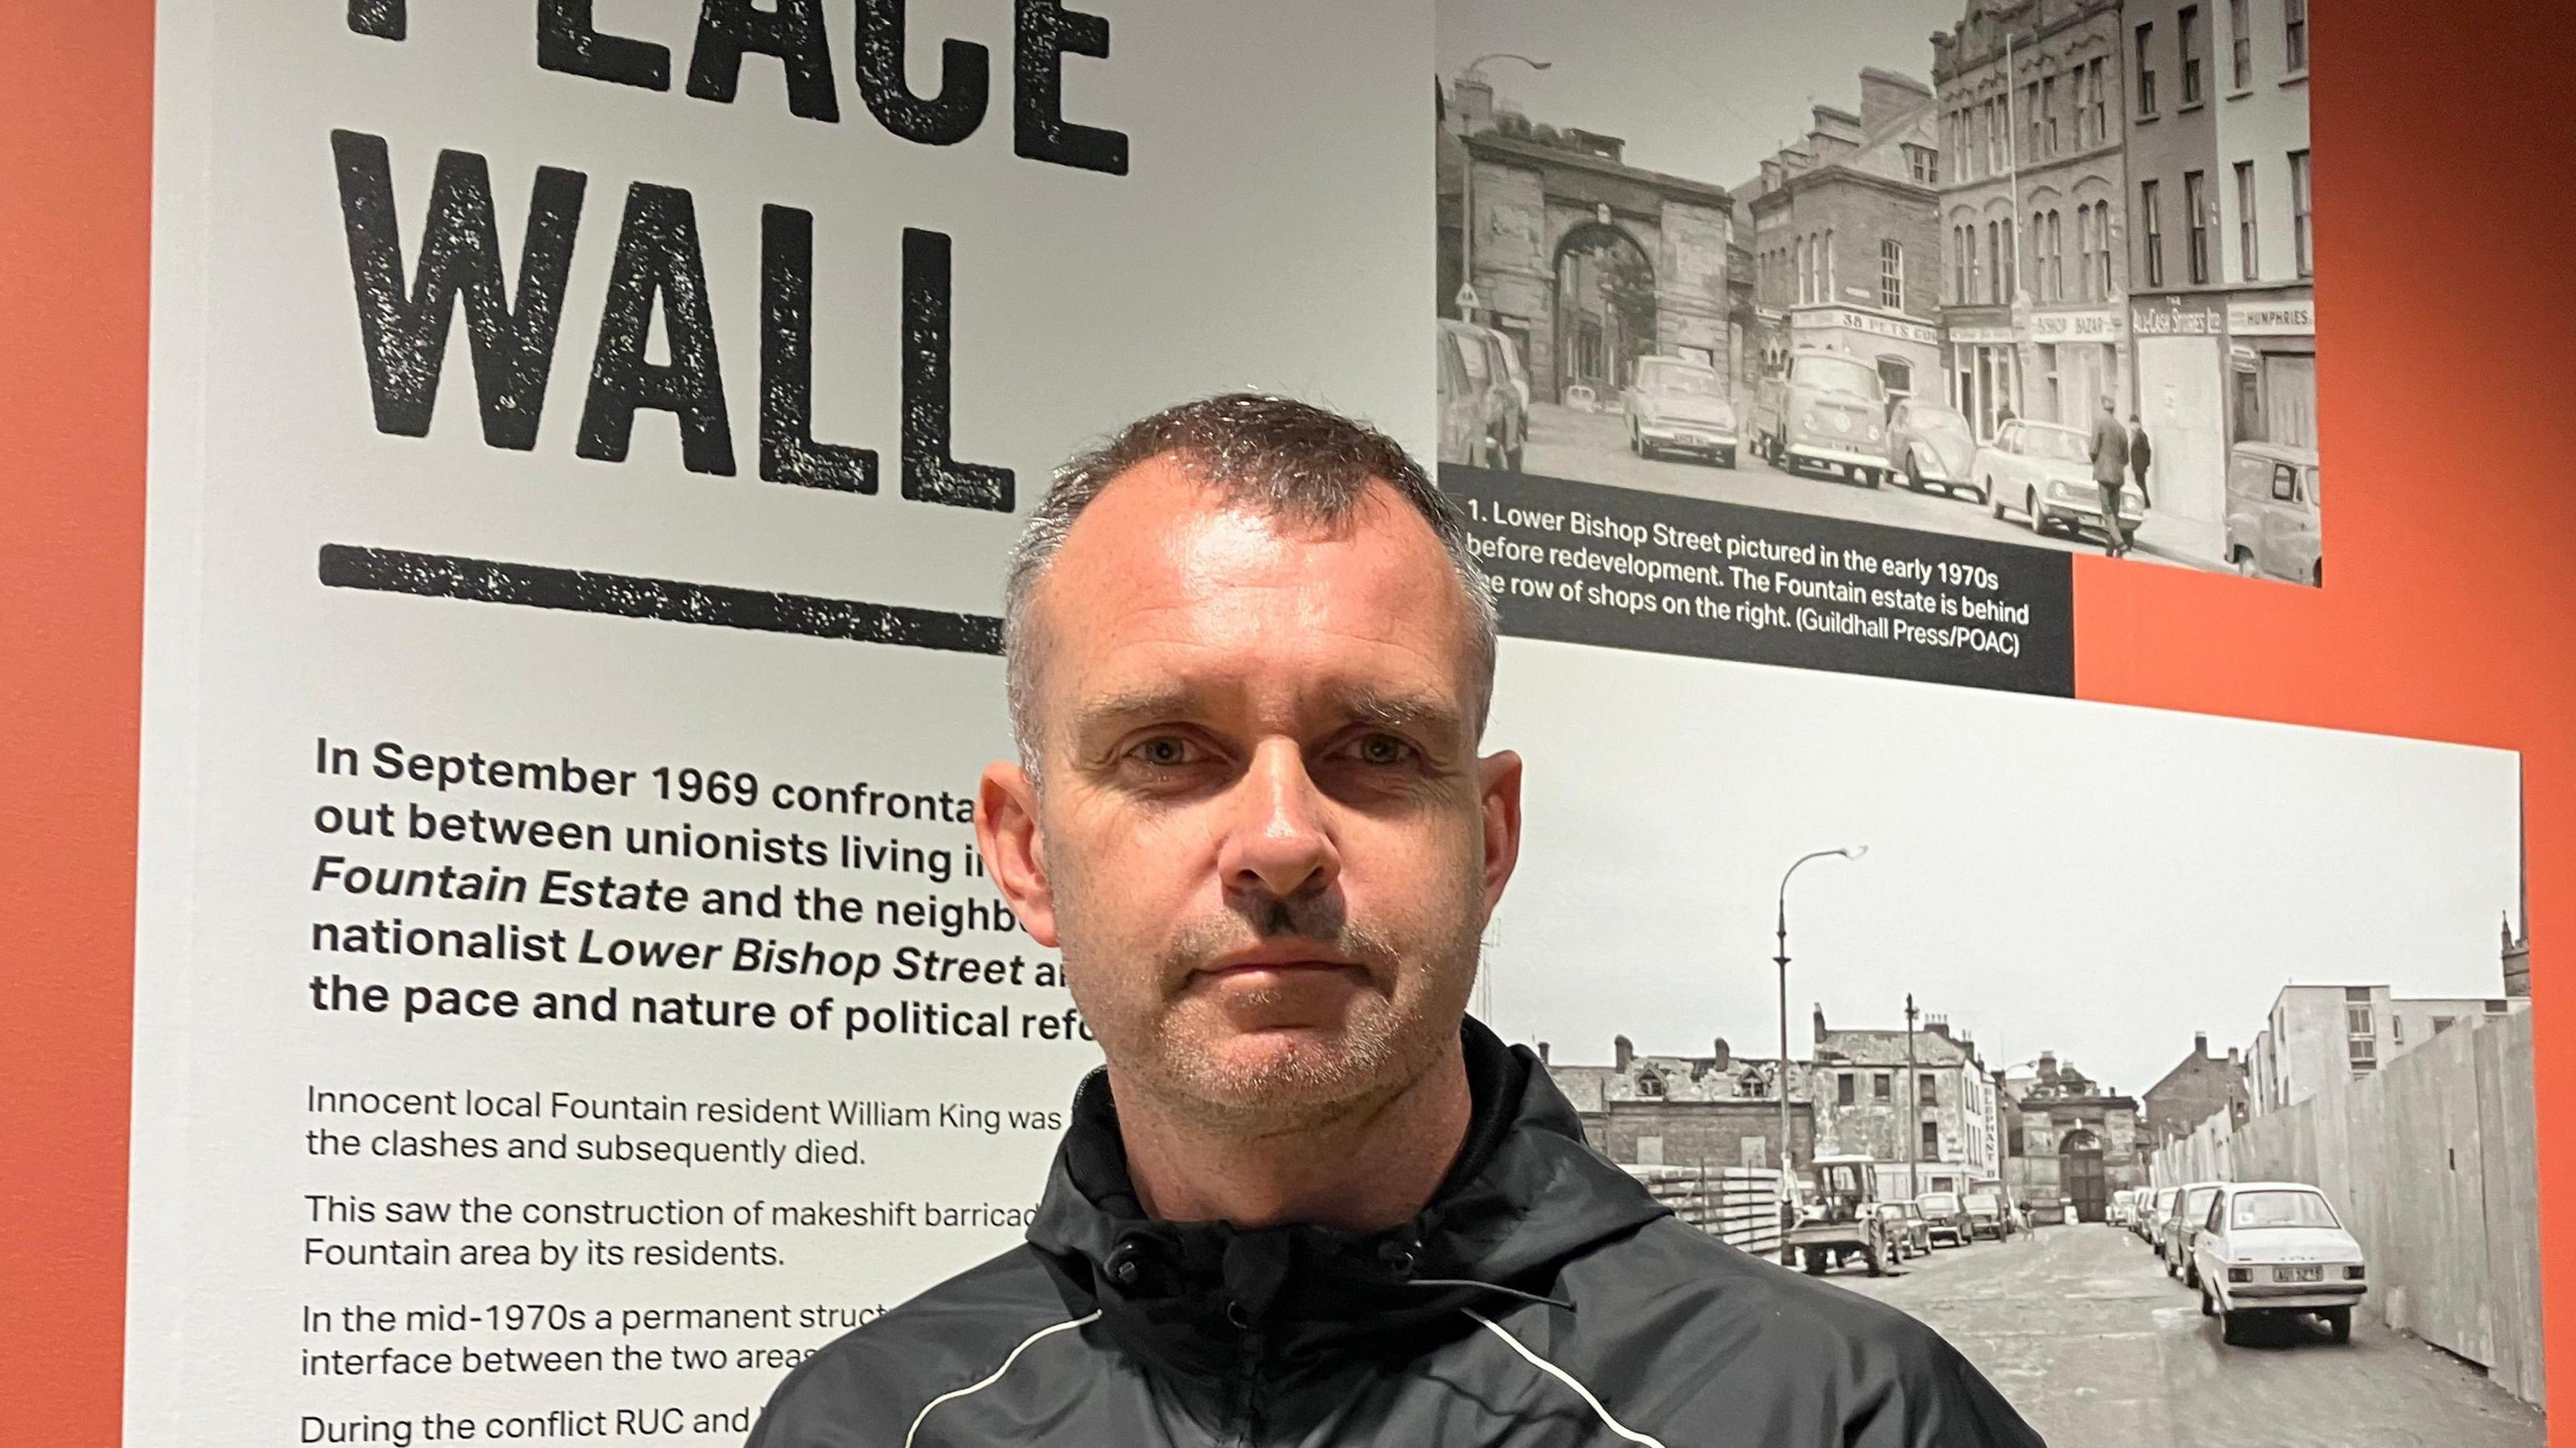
<point>1476,401</point>
<point>2123,1207</point>
<point>2272,513</point>
<point>1931,446</point>
<point>2190,1205</point>
<point>2045,472</point>
<point>2269,1249</point>
<point>1676,405</point>
<point>1944,1219</point>
<point>1988,1215</point>
<point>2151,1218</point>
<point>1840,1219</point>
<point>1903,1231</point>
<point>1827,409</point>
<point>1511,435</point>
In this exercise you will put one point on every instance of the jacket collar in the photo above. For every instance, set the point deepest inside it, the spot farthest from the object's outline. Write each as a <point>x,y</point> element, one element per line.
<point>1524,1195</point>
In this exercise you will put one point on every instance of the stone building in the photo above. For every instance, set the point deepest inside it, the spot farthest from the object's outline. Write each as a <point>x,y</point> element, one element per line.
<point>1846,237</point>
<point>2035,282</point>
<point>1585,261</point>
<point>2071,1139</point>
<point>1928,1114</point>
<point>1718,1110</point>
<point>2198,1087</point>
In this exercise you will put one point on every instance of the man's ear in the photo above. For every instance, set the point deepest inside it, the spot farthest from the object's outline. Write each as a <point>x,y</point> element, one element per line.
<point>1499,780</point>
<point>1006,831</point>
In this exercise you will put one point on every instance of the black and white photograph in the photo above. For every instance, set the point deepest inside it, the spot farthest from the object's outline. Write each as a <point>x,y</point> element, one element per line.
<point>2177,1070</point>
<point>2036,272</point>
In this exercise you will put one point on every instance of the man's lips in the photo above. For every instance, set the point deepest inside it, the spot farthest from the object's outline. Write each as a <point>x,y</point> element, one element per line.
<point>1272,963</point>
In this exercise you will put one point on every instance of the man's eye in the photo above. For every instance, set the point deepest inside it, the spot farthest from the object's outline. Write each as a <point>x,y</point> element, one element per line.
<point>1164,751</point>
<point>1382,749</point>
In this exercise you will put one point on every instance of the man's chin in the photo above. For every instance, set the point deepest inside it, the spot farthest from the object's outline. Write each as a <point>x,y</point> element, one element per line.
<point>1282,1069</point>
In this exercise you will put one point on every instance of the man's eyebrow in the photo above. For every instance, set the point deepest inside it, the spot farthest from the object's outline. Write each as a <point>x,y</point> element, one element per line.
<point>1400,711</point>
<point>1133,704</point>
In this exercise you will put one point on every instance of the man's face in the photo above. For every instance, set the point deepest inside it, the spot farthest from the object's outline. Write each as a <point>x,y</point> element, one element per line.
<point>1265,843</point>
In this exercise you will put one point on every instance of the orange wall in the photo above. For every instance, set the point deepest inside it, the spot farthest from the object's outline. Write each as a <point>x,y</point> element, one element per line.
<point>2442,216</point>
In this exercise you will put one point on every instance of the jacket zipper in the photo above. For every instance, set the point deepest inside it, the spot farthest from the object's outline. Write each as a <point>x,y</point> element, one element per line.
<point>1247,1393</point>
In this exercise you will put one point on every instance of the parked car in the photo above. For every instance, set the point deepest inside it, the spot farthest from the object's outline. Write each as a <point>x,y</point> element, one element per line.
<point>2045,472</point>
<point>1944,1219</point>
<point>1676,405</point>
<point>1475,399</point>
<point>1511,437</point>
<point>1841,1221</point>
<point>2272,526</point>
<point>1903,1231</point>
<point>2270,1249</point>
<point>2150,1225</point>
<point>2122,1207</point>
<point>2046,1212</point>
<point>1828,409</point>
<point>2190,1205</point>
<point>1931,446</point>
<point>1987,1216</point>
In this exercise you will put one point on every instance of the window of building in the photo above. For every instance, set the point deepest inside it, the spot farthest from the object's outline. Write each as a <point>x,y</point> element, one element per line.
<point>2195,205</point>
<point>1932,1139</point>
<point>1931,1082</point>
<point>2011,254</point>
<point>2249,254</point>
<point>2240,45</point>
<point>1650,1084</point>
<point>1976,272</point>
<point>2444,1023</point>
<point>2146,70</point>
<point>2048,109</point>
<point>2057,250</point>
<point>2102,254</point>
<point>2151,222</point>
<point>1958,267</point>
<point>1833,277</point>
<point>1891,276</point>
<point>2033,108</point>
<point>2498,1007</point>
<point>2101,99</point>
<point>1879,1086</point>
<point>1994,262</point>
<point>2187,33</point>
<point>2364,1053</point>
<point>1923,164</point>
<point>2294,30</point>
<point>2360,993</point>
<point>2299,227</point>
<point>2397,1030</point>
<point>1845,1087</point>
<point>2357,1022</point>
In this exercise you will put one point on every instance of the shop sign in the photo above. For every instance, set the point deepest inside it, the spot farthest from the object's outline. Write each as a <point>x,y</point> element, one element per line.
<point>2094,326</point>
<point>1981,336</point>
<point>2294,317</point>
<point>2174,316</point>
<point>1873,324</point>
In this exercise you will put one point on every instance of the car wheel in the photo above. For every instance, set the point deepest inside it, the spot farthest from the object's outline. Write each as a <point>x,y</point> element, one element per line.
<point>2338,1323</point>
<point>2171,1270</point>
<point>2231,1328</point>
<point>1815,1262</point>
<point>1726,459</point>
<point>2191,1275</point>
<point>1872,477</point>
<point>2208,1304</point>
<point>1512,459</point>
<point>1912,483</point>
<point>2244,561</point>
<point>1994,504</point>
<point>2030,505</point>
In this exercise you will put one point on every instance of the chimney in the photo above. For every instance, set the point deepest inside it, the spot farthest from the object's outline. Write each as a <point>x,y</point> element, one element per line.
<point>1724,1057</point>
<point>1820,1024</point>
<point>1542,1053</point>
<point>1622,1051</point>
<point>2231,1058</point>
<point>2048,1065</point>
<point>1938,1025</point>
<point>1471,101</point>
<point>2200,1044</point>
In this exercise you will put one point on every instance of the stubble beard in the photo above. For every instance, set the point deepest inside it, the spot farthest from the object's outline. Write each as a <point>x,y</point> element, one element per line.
<point>1165,1038</point>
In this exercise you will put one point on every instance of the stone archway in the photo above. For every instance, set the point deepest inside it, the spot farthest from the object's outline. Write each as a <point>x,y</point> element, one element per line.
<point>1602,297</point>
<point>2081,1175</point>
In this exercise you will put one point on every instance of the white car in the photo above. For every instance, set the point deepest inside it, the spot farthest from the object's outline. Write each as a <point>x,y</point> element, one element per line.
<point>2269,1249</point>
<point>1676,405</point>
<point>2045,473</point>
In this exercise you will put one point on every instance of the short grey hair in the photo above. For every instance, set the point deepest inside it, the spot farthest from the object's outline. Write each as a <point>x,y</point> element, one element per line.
<point>1287,459</point>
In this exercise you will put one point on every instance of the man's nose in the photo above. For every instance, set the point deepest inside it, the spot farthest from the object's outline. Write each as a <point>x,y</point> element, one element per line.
<point>1276,841</point>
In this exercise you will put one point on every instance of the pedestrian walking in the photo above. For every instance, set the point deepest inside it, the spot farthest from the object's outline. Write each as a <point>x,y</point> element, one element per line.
<point>2141,453</point>
<point>2110,470</point>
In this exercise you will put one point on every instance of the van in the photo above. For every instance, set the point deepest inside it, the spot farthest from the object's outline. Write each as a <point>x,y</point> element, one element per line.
<point>2272,529</point>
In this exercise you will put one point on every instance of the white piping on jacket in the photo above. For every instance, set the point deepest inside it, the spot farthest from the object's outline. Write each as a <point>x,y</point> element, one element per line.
<point>973,1388</point>
<point>1562,1376</point>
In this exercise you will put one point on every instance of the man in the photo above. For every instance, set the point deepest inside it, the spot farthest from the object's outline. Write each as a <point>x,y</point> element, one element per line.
<point>2141,453</point>
<point>2110,470</point>
<point>1307,1202</point>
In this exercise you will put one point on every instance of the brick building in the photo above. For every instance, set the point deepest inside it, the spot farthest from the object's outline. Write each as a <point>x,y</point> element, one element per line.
<point>1718,1110</point>
<point>2198,1087</point>
<point>1945,1122</point>
<point>1846,237</point>
<point>2030,100</point>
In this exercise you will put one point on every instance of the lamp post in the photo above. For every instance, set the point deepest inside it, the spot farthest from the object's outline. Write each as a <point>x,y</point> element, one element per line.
<point>1467,195</point>
<point>1914,1100</point>
<point>1788,1171</point>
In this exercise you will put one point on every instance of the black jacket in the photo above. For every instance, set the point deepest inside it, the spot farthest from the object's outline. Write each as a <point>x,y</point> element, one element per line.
<point>1542,1298</point>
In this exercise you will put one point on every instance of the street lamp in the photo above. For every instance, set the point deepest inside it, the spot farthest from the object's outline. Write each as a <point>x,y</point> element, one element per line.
<point>1467,195</point>
<point>1788,1172</point>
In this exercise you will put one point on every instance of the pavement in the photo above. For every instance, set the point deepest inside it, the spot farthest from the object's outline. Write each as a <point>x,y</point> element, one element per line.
<point>1592,447</point>
<point>2081,1329</point>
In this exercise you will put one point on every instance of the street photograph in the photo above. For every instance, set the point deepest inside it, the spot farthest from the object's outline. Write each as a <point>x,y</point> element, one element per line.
<point>2039,272</point>
<point>2177,1070</point>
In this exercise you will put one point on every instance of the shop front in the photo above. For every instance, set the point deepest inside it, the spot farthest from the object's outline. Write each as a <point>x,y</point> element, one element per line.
<point>2272,364</point>
<point>2075,362</point>
<point>1985,378</point>
<point>2181,402</point>
<point>1906,353</point>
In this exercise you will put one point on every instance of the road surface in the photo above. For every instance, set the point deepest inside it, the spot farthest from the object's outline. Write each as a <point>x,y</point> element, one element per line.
<point>2080,1328</point>
<point>1593,447</point>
